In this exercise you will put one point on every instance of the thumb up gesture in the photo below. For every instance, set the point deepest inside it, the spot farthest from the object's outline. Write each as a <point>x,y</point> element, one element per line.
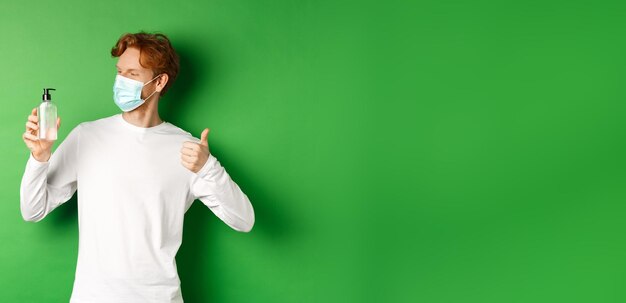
<point>194,155</point>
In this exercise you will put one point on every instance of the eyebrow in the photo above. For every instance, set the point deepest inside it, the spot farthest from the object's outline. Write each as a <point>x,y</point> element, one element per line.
<point>130,69</point>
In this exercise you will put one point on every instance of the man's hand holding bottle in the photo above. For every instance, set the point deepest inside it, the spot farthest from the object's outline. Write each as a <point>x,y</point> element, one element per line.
<point>40,148</point>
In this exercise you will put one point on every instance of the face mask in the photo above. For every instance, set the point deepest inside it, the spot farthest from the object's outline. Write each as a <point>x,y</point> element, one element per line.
<point>127,92</point>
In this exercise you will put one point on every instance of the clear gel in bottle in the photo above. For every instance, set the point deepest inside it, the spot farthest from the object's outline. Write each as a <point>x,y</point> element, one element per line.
<point>47,114</point>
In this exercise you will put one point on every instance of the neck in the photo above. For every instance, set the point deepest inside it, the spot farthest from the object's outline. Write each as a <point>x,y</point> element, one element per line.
<point>146,115</point>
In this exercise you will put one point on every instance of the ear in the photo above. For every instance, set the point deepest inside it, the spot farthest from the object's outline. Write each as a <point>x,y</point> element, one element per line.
<point>160,83</point>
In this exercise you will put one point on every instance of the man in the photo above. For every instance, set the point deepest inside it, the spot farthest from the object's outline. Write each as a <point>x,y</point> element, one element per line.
<point>137,175</point>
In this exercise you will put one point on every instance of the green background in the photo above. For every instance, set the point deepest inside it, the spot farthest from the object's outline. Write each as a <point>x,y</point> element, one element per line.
<point>431,151</point>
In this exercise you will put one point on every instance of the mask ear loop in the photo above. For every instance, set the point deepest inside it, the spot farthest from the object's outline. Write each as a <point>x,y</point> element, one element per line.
<point>159,75</point>
<point>146,99</point>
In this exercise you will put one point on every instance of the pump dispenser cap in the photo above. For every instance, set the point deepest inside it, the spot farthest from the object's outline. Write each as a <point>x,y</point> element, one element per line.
<point>46,94</point>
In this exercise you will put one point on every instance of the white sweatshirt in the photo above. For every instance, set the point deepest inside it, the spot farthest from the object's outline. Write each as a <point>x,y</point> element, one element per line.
<point>133,192</point>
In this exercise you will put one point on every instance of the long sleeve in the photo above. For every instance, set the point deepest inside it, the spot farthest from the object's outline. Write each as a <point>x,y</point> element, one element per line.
<point>46,185</point>
<point>214,187</point>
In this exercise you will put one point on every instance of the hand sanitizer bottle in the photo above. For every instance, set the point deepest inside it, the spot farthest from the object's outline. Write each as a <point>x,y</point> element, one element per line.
<point>47,114</point>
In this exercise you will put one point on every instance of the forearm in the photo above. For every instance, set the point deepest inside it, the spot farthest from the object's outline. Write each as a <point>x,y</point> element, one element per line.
<point>223,196</point>
<point>37,196</point>
<point>33,194</point>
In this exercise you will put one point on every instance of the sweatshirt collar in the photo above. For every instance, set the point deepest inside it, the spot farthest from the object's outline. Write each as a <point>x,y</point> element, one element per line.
<point>133,127</point>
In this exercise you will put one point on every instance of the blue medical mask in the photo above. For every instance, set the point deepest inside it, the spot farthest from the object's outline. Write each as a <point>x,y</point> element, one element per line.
<point>127,92</point>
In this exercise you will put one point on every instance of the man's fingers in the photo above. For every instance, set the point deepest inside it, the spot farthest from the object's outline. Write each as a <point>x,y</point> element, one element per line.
<point>204,137</point>
<point>191,145</point>
<point>188,152</point>
<point>186,164</point>
<point>33,118</point>
<point>31,137</point>
<point>188,158</point>
<point>34,112</point>
<point>30,126</point>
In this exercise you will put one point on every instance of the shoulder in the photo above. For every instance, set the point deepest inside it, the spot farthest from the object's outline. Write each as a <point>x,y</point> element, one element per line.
<point>180,133</point>
<point>89,125</point>
<point>97,123</point>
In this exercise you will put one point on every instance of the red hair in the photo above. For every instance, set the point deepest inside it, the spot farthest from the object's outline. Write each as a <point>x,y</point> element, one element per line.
<point>155,52</point>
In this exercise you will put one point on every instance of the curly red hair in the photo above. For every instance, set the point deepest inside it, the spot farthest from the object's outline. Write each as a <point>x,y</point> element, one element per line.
<point>156,53</point>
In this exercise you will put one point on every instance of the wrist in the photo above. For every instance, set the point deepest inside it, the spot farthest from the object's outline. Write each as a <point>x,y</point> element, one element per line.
<point>42,156</point>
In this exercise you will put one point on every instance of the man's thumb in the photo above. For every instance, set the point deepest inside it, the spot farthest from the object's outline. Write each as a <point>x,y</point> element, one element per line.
<point>204,137</point>
<point>58,122</point>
